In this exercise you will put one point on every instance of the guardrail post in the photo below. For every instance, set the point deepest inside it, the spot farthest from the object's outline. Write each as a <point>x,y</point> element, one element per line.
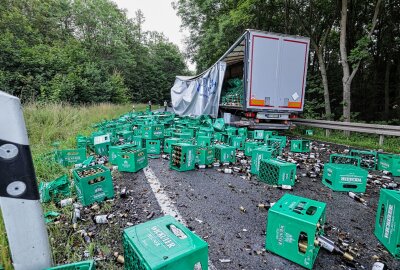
<point>327,132</point>
<point>381,137</point>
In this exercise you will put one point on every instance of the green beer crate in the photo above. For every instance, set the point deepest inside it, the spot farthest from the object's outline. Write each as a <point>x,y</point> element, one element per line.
<point>293,224</point>
<point>81,141</point>
<point>282,138</point>
<point>168,144</point>
<point>258,154</point>
<point>93,184</point>
<point>183,157</point>
<point>138,131</point>
<point>68,157</point>
<point>238,142</point>
<point>258,134</point>
<point>249,146</point>
<point>153,147</point>
<point>389,162</point>
<point>219,136</point>
<point>206,131</point>
<point>269,134</point>
<point>250,134</point>
<point>101,144</point>
<point>230,131</point>
<point>225,153</point>
<point>163,244</point>
<point>300,146</point>
<point>343,173</point>
<point>369,159</point>
<point>277,172</point>
<point>275,143</point>
<point>115,151</point>
<point>205,155</point>
<point>168,132</point>
<point>387,221</point>
<point>242,132</point>
<point>153,132</point>
<point>182,135</point>
<point>309,132</point>
<point>219,124</point>
<point>126,135</point>
<point>132,160</point>
<point>138,141</point>
<point>203,140</point>
<point>85,265</point>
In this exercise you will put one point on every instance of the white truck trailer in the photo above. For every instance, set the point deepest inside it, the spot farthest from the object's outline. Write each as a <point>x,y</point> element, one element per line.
<point>272,68</point>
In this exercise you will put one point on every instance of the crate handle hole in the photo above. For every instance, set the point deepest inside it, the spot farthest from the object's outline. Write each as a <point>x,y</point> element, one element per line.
<point>177,232</point>
<point>198,266</point>
<point>311,210</point>
<point>349,186</point>
<point>328,181</point>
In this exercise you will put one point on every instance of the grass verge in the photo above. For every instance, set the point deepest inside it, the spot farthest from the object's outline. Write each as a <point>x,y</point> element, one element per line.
<point>57,122</point>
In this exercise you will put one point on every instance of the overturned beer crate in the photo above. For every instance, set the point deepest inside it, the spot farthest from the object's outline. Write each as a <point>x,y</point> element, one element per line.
<point>258,154</point>
<point>300,146</point>
<point>203,140</point>
<point>153,132</point>
<point>343,173</point>
<point>219,124</point>
<point>205,155</point>
<point>275,143</point>
<point>93,184</point>
<point>153,147</point>
<point>225,153</point>
<point>277,172</point>
<point>293,224</point>
<point>138,141</point>
<point>101,144</point>
<point>369,159</point>
<point>231,131</point>
<point>168,144</point>
<point>258,134</point>
<point>126,135</point>
<point>238,142</point>
<point>68,157</point>
<point>242,132</point>
<point>387,221</point>
<point>249,146</point>
<point>85,265</point>
<point>81,141</point>
<point>132,160</point>
<point>115,151</point>
<point>183,157</point>
<point>163,243</point>
<point>390,163</point>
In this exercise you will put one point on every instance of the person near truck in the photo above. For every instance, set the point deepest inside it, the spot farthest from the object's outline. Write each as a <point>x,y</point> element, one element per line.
<point>165,105</point>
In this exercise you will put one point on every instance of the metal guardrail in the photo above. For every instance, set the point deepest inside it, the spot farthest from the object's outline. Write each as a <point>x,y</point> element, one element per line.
<point>381,130</point>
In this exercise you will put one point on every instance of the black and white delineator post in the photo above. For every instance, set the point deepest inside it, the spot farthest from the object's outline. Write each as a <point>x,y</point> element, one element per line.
<point>19,195</point>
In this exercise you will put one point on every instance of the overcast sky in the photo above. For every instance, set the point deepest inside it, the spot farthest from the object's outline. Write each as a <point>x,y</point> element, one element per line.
<point>159,16</point>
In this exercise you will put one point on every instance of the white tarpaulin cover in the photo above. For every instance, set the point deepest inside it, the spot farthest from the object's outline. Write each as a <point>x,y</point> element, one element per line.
<point>199,95</point>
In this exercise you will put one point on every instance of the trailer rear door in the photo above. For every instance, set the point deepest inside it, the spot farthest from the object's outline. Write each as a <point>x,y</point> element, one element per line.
<point>277,70</point>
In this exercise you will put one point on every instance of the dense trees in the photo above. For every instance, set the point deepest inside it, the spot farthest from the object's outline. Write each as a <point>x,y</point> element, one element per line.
<point>365,87</point>
<point>82,51</point>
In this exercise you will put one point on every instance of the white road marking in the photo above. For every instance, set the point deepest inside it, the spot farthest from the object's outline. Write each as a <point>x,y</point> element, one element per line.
<point>166,204</point>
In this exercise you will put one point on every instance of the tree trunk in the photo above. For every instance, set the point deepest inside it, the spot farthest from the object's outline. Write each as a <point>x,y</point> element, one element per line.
<point>322,68</point>
<point>387,81</point>
<point>346,69</point>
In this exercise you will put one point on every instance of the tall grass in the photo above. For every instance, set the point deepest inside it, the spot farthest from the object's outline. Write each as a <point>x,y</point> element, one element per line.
<point>57,122</point>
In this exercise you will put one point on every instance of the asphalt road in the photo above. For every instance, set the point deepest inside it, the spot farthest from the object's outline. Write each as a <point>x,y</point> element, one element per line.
<point>212,204</point>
